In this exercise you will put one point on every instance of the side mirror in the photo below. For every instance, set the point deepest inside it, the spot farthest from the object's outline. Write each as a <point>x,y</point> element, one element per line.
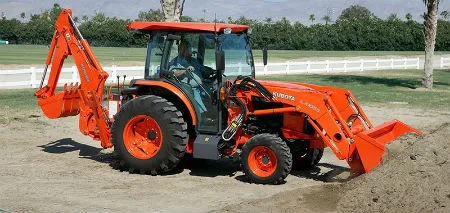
<point>220,60</point>
<point>264,53</point>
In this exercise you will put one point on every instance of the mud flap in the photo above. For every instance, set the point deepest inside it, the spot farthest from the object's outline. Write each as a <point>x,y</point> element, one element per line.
<point>370,144</point>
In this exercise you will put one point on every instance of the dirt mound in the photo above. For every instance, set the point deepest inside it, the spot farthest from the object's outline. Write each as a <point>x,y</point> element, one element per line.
<point>415,178</point>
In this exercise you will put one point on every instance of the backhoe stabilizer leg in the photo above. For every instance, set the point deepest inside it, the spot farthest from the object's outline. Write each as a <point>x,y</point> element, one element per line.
<point>368,147</point>
<point>101,129</point>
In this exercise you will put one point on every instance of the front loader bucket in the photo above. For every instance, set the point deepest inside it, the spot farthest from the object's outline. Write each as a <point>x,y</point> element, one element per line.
<point>370,144</point>
<point>62,104</point>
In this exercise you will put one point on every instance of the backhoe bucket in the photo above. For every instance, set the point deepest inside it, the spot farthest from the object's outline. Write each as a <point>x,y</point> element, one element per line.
<point>62,104</point>
<point>370,144</point>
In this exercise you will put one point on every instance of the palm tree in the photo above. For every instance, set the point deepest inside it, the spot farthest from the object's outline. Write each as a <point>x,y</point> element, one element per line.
<point>268,20</point>
<point>204,13</point>
<point>393,17</point>
<point>327,19</point>
<point>430,41</point>
<point>85,18</point>
<point>173,9</point>
<point>312,18</point>
<point>76,20</point>
<point>445,15</point>
<point>408,17</point>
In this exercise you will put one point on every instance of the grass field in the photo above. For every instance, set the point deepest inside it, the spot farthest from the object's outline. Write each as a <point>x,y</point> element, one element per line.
<point>36,54</point>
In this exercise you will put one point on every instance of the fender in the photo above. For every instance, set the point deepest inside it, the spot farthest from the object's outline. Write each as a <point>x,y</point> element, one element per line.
<point>175,90</point>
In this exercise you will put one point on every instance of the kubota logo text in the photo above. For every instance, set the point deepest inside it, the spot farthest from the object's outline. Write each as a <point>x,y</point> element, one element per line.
<point>284,96</point>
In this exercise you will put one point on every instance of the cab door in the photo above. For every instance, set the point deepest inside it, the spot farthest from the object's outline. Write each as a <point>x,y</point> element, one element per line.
<point>202,93</point>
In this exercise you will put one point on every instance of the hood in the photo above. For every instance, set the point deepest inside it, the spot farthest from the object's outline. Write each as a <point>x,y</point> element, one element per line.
<point>310,98</point>
<point>294,87</point>
<point>276,85</point>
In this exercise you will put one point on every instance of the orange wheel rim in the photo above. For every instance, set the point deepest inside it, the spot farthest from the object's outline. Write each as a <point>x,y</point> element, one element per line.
<point>142,137</point>
<point>262,161</point>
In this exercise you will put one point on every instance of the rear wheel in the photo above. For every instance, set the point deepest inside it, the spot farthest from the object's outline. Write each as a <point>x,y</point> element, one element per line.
<point>266,159</point>
<point>150,135</point>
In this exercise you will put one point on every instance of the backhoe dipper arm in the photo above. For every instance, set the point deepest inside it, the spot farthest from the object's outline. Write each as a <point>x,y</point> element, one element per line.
<point>82,98</point>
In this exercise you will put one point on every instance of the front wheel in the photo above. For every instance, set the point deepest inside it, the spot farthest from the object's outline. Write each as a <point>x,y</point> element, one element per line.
<point>150,135</point>
<point>266,159</point>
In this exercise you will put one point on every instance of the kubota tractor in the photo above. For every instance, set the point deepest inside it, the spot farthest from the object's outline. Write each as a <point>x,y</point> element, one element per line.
<point>199,96</point>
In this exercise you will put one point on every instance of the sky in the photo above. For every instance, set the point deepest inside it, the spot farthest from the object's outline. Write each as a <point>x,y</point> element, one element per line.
<point>293,10</point>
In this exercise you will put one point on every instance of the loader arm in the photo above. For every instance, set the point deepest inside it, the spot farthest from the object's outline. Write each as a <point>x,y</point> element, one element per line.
<point>337,118</point>
<point>82,97</point>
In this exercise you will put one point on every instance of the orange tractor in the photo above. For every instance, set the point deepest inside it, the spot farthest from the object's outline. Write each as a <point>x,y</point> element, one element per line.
<point>199,96</point>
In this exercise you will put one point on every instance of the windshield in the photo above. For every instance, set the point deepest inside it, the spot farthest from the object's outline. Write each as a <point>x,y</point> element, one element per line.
<point>238,55</point>
<point>202,46</point>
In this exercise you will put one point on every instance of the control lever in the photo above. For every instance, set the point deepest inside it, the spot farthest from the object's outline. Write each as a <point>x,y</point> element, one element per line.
<point>118,83</point>
<point>123,82</point>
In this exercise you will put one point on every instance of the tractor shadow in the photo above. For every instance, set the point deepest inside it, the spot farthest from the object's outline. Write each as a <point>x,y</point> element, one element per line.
<point>332,174</point>
<point>67,145</point>
<point>410,83</point>
<point>196,167</point>
<point>325,172</point>
<point>390,82</point>
<point>210,168</point>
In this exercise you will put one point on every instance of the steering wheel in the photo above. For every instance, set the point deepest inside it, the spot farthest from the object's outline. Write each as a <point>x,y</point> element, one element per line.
<point>211,74</point>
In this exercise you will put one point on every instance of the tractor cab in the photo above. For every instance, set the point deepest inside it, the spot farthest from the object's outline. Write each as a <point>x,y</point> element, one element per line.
<point>197,58</point>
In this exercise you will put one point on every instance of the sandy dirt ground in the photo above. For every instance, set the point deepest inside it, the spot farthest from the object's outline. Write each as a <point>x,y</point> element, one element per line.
<point>415,178</point>
<point>48,166</point>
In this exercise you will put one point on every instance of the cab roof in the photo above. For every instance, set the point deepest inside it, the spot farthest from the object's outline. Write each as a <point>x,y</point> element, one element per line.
<point>185,26</point>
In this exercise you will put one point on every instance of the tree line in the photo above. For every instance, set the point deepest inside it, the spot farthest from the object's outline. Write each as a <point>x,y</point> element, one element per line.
<point>355,29</point>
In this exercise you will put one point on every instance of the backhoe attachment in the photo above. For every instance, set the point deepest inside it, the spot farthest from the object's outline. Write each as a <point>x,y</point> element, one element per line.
<point>82,97</point>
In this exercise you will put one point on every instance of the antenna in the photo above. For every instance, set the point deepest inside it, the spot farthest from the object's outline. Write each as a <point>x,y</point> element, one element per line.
<point>215,27</point>
<point>204,14</point>
<point>215,23</point>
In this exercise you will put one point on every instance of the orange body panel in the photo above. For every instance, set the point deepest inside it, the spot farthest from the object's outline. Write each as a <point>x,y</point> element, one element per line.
<point>175,91</point>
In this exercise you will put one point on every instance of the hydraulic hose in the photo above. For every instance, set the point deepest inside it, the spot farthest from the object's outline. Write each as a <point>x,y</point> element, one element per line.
<point>237,122</point>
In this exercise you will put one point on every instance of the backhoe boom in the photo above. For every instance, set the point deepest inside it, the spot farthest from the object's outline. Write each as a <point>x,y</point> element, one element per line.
<point>82,98</point>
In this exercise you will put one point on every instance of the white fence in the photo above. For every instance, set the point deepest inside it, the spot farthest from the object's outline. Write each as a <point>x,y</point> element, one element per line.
<point>340,66</point>
<point>30,78</point>
<point>68,75</point>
